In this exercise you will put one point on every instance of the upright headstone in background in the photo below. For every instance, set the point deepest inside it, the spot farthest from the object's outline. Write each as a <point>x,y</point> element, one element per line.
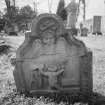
<point>72,10</point>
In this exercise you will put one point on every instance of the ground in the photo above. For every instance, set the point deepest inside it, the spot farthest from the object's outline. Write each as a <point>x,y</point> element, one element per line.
<point>95,43</point>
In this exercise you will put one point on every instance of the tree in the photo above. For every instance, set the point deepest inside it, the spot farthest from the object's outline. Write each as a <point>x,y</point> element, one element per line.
<point>11,11</point>
<point>25,16</point>
<point>61,11</point>
<point>1,14</point>
<point>16,17</point>
<point>27,11</point>
<point>84,8</point>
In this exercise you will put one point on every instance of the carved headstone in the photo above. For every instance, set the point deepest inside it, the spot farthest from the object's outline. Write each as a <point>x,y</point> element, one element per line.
<point>49,59</point>
<point>72,11</point>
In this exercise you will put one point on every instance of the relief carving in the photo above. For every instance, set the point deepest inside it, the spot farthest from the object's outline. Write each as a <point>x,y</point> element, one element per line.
<point>47,52</point>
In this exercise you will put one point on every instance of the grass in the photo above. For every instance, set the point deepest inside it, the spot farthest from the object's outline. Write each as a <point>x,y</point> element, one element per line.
<point>95,43</point>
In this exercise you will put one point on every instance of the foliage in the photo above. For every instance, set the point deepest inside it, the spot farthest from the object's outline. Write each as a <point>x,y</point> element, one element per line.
<point>26,11</point>
<point>14,15</point>
<point>61,11</point>
<point>26,14</point>
<point>83,1</point>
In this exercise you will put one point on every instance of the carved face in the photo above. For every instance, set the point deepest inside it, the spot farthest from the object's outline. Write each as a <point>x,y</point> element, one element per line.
<point>48,37</point>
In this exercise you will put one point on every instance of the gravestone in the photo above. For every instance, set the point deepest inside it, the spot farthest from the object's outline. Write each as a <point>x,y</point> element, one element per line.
<point>52,60</point>
<point>72,11</point>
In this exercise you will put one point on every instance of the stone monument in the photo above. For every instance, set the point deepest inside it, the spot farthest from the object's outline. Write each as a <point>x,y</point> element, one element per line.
<point>72,11</point>
<point>50,59</point>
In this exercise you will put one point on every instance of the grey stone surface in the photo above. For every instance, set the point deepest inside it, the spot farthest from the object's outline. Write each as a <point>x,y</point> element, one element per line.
<point>50,58</point>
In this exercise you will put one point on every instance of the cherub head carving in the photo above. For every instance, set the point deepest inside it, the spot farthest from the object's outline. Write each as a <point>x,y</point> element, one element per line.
<point>48,37</point>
